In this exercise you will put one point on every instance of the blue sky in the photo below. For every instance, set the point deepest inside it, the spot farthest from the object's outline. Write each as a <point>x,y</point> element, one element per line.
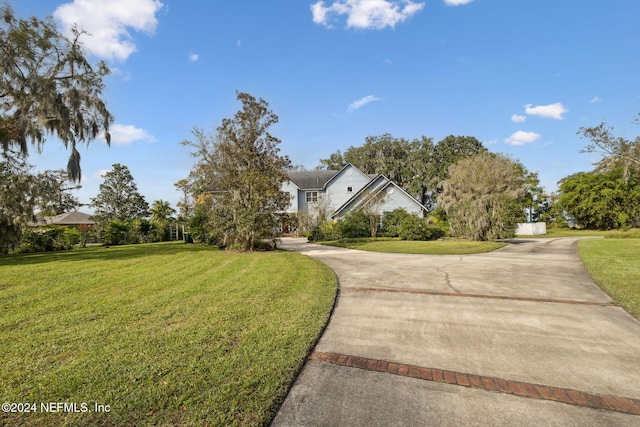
<point>522,76</point>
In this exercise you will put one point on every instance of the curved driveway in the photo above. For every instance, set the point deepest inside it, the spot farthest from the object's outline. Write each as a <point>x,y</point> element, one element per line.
<point>528,314</point>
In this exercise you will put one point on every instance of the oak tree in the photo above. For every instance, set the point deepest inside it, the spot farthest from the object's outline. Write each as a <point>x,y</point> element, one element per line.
<point>482,197</point>
<point>48,86</point>
<point>242,170</point>
<point>615,150</point>
<point>18,198</point>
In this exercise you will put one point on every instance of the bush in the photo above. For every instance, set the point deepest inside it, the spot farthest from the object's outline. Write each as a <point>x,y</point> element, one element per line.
<point>324,232</point>
<point>116,232</point>
<point>50,238</point>
<point>139,231</point>
<point>70,237</point>
<point>198,226</point>
<point>414,228</point>
<point>355,224</point>
<point>391,222</point>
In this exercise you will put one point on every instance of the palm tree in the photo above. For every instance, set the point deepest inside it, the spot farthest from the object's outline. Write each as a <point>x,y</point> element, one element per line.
<point>161,212</point>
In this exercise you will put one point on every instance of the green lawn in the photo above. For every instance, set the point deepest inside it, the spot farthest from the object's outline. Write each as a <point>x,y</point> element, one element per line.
<point>165,334</point>
<point>567,232</point>
<point>436,247</point>
<point>614,265</point>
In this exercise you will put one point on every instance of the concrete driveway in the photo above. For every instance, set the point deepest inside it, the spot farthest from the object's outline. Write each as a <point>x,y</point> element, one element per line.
<point>518,336</point>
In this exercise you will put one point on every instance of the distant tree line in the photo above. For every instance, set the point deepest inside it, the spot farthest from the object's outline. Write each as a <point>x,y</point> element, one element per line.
<point>607,197</point>
<point>479,195</point>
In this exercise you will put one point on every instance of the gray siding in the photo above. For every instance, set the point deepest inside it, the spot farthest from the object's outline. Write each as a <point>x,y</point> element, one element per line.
<point>337,192</point>
<point>289,187</point>
<point>399,199</point>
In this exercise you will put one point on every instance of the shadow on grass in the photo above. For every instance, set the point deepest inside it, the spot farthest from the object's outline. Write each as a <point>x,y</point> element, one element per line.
<point>102,253</point>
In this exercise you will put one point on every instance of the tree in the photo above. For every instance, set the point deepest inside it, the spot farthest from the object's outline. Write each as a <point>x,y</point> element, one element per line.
<point>383,154</point>
<point>18,197</point>
<point>482,197</point>
<point>55,197</point>
<point>185,204</point>
<point>601,200</point>
<point>550,211</point>
<point>119,198</point>
<point>48,86</point>
<point>241,167</point>
<point>334,162</point>
<point>161,212</point>
<point>403,161</point>
<point>417,165</point>
<point>615,150</point>
<point>534,201</point>
<point>446,153</point>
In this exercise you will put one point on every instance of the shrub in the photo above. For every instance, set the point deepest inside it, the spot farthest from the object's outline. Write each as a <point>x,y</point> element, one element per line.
<point>323,232</point>
<point>37,239</point>
<point>198,226</point>
<point>414,228</point>
<point>116,232</point>
<point>139,231</point>
<point>70,237</point>
<point>354,224</point>
<point>391,222</point>
<point>50,238</point>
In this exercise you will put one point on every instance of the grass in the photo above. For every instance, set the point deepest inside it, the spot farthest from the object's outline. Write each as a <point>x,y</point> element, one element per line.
<point>435,247</point>
<point>613,265</point>
<point>567,232</point>
<point>165,334</point>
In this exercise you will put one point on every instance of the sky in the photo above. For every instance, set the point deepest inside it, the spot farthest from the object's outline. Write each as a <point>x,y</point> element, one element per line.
<point>522,76</point>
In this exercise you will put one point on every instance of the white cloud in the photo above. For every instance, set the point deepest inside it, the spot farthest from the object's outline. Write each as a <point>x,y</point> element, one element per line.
<point>595,99</point>
<point>108,23</point>
<point>193,57</point>
<point>362,102</point>
<point>518,119</point>
<point>101,173</point>
<point>456,2</point>
<point>366,14</point>
<point>126,134</point>
<point>552,111</point>
<point>124,75</point>
<point>522,138</point>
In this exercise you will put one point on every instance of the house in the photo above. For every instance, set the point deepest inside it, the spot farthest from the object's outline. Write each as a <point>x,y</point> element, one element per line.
<point>336,193</point>
<point>69,218</point>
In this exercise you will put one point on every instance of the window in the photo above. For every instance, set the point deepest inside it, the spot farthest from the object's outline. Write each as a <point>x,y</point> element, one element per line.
<point>349,189</point>
<point>312,196</point>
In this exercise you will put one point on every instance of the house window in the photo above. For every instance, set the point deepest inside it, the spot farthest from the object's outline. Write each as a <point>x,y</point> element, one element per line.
<point>349,189</point>
<point>312,196</point>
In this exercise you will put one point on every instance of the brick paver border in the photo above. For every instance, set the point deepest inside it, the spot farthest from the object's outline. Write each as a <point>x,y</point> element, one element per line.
<point>518,388</point>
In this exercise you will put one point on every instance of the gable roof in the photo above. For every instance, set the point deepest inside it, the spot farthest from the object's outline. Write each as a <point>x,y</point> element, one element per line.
<point>318,180</point>
<point>311,180</point>
<point>69,218</point>
<point>347,166</point>
<point>382,184</point>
